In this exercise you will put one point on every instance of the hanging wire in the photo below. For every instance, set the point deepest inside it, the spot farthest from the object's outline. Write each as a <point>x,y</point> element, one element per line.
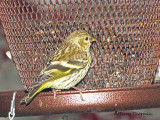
<point>11,114</point>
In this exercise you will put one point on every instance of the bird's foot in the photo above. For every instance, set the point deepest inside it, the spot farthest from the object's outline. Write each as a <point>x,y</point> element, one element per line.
<point>80,91</point>
<point>54,93</point>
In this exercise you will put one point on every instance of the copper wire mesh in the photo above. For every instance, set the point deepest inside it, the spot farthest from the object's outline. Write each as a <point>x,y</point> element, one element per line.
<point>127,50</point>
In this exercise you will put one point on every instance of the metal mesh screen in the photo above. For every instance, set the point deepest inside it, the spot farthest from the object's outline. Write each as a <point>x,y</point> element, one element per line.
<point>127,50</point>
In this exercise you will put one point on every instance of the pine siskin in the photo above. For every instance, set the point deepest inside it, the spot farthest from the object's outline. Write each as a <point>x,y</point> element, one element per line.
<point>67,67</point>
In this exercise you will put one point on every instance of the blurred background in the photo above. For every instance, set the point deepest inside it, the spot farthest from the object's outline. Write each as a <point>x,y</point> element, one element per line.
<point>9,80</point>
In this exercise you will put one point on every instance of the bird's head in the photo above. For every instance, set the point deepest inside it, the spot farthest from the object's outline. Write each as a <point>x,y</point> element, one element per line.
<point>80,38</point>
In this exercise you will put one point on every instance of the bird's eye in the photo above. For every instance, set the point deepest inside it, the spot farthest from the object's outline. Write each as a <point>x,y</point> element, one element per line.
<point>86,38</point>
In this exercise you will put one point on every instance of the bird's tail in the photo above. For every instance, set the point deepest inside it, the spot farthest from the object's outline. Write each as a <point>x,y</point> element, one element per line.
<point>32,94</point>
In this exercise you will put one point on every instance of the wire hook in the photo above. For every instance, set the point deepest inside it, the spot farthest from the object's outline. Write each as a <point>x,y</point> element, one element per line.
<point>11,114</point>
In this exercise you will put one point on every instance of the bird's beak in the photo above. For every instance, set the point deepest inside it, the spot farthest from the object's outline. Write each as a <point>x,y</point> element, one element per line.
<point>93,39</point>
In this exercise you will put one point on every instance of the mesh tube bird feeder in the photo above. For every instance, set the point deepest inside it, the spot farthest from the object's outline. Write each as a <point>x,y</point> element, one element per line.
<point>124,60</point>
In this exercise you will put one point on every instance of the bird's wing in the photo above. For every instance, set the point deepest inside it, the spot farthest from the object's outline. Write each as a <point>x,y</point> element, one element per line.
<point>61,68</point>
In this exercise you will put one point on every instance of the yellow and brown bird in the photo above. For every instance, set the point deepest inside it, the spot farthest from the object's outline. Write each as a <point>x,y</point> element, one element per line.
<point>67,66</point>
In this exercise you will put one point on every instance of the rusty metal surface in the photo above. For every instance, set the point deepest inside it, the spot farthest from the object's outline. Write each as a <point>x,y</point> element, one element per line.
<point>94,100</point>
